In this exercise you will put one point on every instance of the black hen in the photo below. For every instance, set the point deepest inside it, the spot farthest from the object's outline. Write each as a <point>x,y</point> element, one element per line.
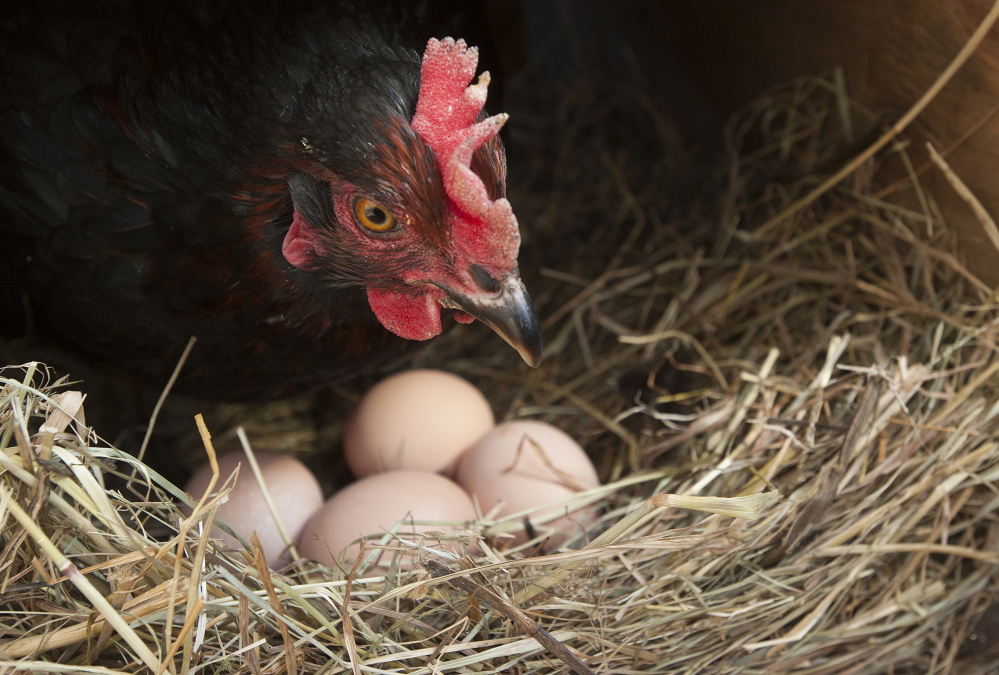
<point>289,182</point>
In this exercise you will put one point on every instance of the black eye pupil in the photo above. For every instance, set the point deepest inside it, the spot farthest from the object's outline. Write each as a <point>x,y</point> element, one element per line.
<point>375,215</point>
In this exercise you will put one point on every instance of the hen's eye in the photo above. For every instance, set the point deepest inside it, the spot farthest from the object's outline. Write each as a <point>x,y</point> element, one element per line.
<point>373,215</point>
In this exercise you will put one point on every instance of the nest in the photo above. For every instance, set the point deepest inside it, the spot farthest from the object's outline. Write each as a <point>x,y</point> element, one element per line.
<point>792,403</point>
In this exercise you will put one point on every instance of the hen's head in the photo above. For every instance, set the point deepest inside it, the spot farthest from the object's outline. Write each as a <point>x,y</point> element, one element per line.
<point>420,222</point>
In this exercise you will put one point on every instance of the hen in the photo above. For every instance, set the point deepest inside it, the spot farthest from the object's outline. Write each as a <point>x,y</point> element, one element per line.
<point>288,182</point>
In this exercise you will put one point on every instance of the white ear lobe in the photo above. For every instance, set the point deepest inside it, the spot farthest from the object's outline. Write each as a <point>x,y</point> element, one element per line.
<point>300,246</point>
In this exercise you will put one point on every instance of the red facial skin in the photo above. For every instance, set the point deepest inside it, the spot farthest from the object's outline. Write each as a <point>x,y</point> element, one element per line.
<point>300,244</point>
<point>479,231</point>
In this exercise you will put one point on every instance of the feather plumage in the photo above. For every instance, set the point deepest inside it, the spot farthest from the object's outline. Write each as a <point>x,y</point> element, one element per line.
<point>155,156</point>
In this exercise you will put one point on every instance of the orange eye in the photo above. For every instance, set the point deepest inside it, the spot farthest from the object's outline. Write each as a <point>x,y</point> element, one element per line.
<point>373,215</point>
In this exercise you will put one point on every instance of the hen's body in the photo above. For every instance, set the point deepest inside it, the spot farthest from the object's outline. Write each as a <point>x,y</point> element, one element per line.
<point>154,155</point>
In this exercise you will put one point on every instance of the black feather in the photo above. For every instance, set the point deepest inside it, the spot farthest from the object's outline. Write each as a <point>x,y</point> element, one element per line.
<point>150,154</point>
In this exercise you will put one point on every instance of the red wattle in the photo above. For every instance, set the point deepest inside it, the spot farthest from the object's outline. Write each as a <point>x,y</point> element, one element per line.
<point>414,317</point>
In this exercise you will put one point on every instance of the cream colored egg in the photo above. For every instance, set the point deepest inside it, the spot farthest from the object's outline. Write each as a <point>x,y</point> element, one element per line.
<point>374,505</point>
<point>527,464</point>
<point>417,419</point>
<point>294,490</point>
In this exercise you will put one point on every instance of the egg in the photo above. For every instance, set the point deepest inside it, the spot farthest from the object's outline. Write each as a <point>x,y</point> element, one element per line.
<point>373,505</point>
<point>293,489</point>
<point>525,464</point>
<point>415,420</point>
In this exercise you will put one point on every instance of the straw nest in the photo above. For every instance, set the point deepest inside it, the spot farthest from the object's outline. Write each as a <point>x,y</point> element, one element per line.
<point>808,386</point>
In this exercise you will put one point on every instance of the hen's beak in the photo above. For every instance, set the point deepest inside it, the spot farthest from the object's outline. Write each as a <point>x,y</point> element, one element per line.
<point>508,311</point>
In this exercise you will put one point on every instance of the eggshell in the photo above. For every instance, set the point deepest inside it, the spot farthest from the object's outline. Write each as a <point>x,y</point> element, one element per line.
<point>373,505</point>
<point>418,419</point>
<point>293,488</point>
<point>525,464</point>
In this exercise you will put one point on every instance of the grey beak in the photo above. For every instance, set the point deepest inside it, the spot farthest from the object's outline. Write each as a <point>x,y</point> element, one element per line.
<point>509,312</point>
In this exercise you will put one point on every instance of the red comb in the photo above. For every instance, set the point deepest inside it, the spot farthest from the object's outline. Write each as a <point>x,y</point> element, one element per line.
<point>445,119</point>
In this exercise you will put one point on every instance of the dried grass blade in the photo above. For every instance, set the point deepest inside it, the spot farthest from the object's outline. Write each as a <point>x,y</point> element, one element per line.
<point>69,570</point>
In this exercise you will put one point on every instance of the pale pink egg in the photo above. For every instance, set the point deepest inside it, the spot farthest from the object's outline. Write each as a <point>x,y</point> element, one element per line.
<point>417,419</point>
<point>294,490</point>
<point>527,464</point>
<point>373,505</point>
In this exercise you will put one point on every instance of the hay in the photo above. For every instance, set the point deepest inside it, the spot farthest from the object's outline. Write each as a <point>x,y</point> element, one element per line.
<point>717,350</point>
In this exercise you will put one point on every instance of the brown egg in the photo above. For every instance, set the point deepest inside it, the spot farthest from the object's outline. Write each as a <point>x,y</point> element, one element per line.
<point>294,490</point>
<point>526,464</point>
<point>373,505</point>
<point>417,419</point>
